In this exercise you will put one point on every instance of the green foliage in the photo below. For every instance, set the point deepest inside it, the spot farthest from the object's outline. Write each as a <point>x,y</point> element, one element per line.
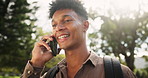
<point>39,33</point>
<point>123,36</point>
<point>9,77</point>
<point>16,29</point>
<point>54,61</point>
<point>93,36</point>
<point>9,69</point>
<point>145,57</point>
<point>142,73</point>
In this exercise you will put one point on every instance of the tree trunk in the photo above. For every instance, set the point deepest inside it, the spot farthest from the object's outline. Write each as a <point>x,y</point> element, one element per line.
<point>130,62</point>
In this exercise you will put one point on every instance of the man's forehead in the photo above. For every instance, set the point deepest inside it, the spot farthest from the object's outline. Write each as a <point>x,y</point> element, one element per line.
<point>62,17</point>
<point>61,14</point>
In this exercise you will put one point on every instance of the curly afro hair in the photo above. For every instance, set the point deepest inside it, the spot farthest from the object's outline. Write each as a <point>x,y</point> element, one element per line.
<point>74,5</point>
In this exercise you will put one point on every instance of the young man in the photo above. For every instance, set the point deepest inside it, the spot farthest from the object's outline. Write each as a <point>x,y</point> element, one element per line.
<point>69,22</point>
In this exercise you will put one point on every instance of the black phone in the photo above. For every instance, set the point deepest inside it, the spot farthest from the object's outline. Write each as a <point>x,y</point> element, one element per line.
<point>53,45</point>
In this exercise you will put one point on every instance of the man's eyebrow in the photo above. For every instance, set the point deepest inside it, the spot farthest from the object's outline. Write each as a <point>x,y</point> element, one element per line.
<point>64,16</point>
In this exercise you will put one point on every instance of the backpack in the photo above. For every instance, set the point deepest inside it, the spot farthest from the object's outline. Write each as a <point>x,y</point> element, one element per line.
<point>112,69</point>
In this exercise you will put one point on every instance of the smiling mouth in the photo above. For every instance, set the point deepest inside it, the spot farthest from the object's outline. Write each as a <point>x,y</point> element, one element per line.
<point>63,36</point>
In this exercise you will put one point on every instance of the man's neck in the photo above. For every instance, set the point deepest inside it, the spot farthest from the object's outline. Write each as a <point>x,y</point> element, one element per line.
<point>77,56</point>
<point>75,59</point>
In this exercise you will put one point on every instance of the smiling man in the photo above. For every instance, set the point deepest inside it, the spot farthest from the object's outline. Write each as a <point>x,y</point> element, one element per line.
<point>69,22</point>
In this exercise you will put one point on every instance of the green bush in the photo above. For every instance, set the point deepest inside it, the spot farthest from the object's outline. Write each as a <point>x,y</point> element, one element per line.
<point>9,77</point>
<point>142,73</point>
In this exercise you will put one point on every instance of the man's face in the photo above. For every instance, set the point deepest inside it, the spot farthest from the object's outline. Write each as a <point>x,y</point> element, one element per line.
<point>68,29</point>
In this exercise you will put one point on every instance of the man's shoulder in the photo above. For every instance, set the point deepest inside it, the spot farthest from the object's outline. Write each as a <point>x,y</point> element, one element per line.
<point>127,72</point>
<point>124,67</point>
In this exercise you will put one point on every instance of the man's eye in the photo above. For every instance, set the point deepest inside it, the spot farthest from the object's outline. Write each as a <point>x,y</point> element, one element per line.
<point>66,21</point>
<point>54,25</point>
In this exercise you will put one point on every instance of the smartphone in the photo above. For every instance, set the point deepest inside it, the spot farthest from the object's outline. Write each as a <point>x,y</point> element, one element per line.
<point>54,46</point>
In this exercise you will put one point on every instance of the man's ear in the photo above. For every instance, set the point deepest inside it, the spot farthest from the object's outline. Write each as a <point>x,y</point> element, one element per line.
<point>85,25</point>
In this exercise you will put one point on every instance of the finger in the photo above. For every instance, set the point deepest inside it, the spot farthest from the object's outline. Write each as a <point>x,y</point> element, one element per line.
<point>48,52</point>
<point>44,44</point>
<point>47,37</point>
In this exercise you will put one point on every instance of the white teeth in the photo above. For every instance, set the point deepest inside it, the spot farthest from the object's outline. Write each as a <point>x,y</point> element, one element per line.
<point>63,36</point>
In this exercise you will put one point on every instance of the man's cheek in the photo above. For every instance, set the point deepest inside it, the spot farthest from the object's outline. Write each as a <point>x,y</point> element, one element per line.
<point>54,32</point>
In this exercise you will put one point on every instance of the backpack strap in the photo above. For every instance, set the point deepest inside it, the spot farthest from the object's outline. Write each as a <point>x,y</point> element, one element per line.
<point>117,68</point>
<point>52,72</point>
<point>108,68</point>
<point>112,68</point>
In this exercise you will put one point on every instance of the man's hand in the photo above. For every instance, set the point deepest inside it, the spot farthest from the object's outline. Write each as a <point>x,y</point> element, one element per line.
<point>41,52</point>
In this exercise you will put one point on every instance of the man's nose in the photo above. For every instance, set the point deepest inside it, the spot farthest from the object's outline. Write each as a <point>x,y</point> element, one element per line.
<point>60,27</point>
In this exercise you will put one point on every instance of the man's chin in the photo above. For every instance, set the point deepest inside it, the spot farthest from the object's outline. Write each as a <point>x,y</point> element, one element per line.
<point>62,47</point>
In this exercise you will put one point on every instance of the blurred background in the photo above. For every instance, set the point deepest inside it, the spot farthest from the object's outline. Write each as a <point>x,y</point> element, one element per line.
<point>118,28</point>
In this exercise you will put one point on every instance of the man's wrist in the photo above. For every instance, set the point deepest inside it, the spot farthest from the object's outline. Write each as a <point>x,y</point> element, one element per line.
<point>36,64</point>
